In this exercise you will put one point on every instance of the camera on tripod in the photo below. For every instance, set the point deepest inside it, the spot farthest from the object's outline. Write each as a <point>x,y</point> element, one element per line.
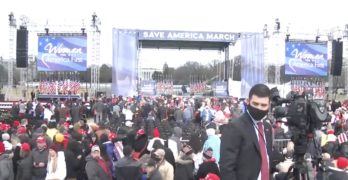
<point>301,111</point>
<point>304,115</point>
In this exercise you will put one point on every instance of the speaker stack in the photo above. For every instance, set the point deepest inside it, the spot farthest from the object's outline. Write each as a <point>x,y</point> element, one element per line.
<point>337,60</point>
<point>22,48</point>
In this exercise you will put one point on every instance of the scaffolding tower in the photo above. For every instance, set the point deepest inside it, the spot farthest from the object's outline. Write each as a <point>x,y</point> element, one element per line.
<point>11,52</point>
<point>95,56</point>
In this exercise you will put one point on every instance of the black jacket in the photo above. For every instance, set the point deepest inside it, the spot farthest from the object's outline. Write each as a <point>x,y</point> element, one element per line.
<point>72,165</point>
<point>24,168</point>
<point>128,169</point>
<point>94,171</point>
<point>184,168</point>
<point>140,145</point>
<point>39,156</point>
<point>240,149</point>
<point>206,168</point>
<point>332,174</point>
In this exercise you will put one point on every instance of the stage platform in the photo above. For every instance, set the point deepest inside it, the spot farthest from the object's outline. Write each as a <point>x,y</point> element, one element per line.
<point>57,96</point>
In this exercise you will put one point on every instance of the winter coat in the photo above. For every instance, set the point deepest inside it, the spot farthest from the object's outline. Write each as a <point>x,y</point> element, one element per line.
<point>178,115</point>
<point>343,149</point>
<point>6,167</point>
<point>127,168</point>
<point>51,132</point>
<point>333,174</point>
<point>207,115</point>
<point>63,112</point>
<point>166,170</point>
<point>39,156</point>
<point>16,157</point>
<point>207,167</point>
<point>169,157</point>
<point>140,145</point>
<point>98,107</point>
<point>213,142</point>
<point>184,168</point>
<point>72,164</point>
<point>60,172</point>
<point>188,114</point>
<point>24,168</point>
<point>78,149</point>
<point>75,114</point>
<point>94,170</point>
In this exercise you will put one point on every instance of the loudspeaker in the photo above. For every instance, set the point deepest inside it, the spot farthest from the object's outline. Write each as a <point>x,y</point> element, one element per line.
<point>337,60</point>
<point>22,47</point>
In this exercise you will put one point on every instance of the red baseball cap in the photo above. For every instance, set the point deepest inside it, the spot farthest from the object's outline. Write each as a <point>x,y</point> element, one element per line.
<point>41,140</point>
<point>112,136</point>
<point>25,147</point>
<point>21,130</point>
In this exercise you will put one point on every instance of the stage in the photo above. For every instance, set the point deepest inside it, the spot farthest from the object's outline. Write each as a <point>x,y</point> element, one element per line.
<point>57,96</point>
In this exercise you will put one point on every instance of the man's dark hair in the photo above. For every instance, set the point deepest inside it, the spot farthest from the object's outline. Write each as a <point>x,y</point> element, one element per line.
<point>127,150</point>
<point>260,90</point>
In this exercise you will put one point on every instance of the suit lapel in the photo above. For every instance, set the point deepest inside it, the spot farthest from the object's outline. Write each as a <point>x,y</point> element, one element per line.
<point>250,129</point>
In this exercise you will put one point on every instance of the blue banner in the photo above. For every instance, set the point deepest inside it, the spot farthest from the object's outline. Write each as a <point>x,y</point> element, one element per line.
<point>252,62</point>
<point>124,69</point>
<point>220,88</point>
<point>306,59</point>
<point>62,53</point>
<point>148,87</point>
<point>187,36</point>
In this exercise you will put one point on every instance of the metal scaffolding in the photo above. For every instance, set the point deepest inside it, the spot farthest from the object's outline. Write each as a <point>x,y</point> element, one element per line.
<point>12,48</point>
<point>278,48</point>
<point>95,56</point>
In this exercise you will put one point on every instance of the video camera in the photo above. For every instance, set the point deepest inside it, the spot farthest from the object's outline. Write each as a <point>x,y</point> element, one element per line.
<point>301,112</point>
<point>304,115</point>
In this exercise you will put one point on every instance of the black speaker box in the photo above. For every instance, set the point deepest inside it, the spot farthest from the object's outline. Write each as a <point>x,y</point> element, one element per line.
<point>22,48</point>
<point>337,60</point>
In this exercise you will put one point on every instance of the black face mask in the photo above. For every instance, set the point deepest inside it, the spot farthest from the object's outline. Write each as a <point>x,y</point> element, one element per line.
<point>256,114</point>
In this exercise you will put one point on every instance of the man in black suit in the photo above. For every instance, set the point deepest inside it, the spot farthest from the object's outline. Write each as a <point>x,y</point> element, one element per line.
<point>246,143</point>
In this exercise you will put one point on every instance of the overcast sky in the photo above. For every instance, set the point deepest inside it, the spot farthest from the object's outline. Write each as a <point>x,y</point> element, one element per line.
<point>302,16</point>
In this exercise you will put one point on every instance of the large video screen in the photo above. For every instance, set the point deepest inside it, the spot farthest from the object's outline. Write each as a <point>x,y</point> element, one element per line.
<point>306,59</point>
<point>62,53</point>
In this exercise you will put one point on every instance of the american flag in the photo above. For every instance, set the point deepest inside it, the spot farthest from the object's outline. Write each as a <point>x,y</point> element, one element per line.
<point>75,87</point>
<point>342,138</point>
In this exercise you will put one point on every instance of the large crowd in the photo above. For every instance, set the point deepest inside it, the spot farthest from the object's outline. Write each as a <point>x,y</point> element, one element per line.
<point>152,138</point>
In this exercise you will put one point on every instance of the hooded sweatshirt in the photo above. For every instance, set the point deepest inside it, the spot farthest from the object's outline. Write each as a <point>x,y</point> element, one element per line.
<point>213,142</point>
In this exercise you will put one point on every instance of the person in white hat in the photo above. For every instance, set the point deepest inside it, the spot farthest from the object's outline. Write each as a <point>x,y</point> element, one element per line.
<point>96,167</point>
